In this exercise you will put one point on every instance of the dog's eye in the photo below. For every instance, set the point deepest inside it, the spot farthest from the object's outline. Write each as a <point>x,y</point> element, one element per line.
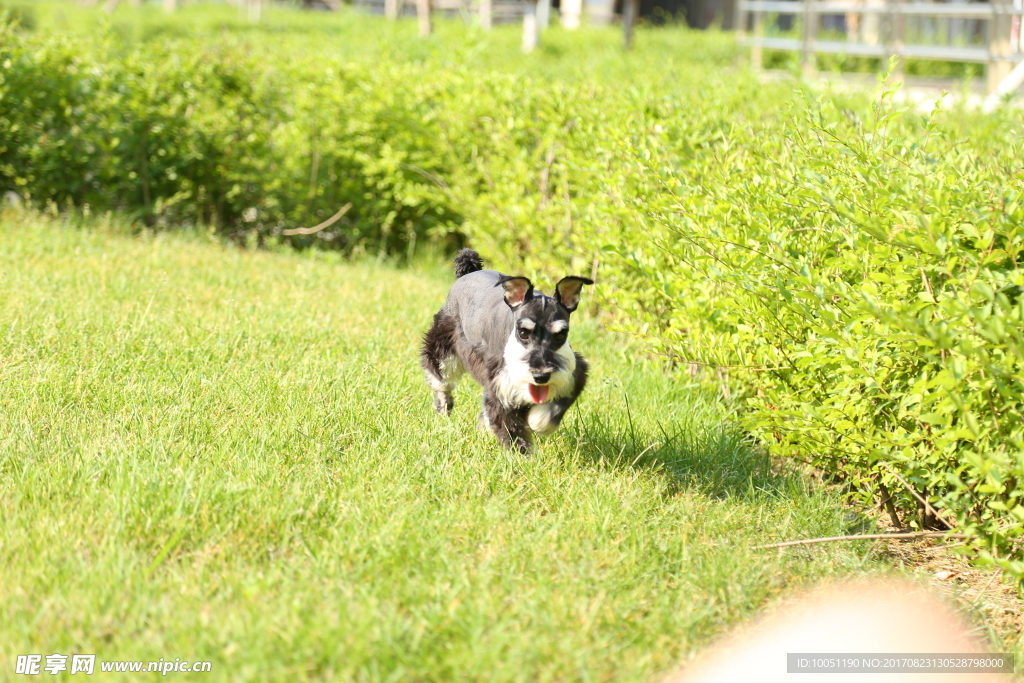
<point>524,333</point>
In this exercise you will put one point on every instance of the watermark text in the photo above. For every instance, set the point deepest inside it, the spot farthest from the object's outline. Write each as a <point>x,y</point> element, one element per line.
<point>36,665</point>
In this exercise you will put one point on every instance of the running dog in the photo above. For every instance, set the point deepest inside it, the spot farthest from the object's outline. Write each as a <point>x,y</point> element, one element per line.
<point>513,341</point>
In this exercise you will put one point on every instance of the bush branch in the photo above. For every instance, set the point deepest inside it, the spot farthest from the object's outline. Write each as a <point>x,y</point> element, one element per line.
<point>912,491</point>
<point>317,228</point>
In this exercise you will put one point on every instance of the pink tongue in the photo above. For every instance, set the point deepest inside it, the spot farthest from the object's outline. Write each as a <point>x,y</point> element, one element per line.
<point>538,393</point>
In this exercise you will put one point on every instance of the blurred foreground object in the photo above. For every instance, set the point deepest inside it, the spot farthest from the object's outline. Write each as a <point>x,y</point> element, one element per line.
<point>889,617</point>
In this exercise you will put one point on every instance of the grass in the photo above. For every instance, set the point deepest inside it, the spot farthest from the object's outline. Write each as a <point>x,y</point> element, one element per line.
<point>216,454</point>
<point>353,35</point>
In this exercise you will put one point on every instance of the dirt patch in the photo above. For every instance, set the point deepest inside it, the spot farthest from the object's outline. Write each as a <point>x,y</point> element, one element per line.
<point>990,602</point>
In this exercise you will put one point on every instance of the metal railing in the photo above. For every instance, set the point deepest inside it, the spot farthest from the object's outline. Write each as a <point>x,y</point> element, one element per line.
<point>997,55</point>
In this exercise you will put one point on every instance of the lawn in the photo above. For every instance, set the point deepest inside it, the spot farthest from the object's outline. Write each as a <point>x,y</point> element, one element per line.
<point>230,455</point>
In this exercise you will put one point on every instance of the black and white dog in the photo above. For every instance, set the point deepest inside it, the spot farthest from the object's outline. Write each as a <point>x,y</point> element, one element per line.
<point>514,342</point>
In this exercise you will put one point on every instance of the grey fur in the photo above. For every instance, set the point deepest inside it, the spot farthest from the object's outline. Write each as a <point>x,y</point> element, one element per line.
<point>478,304</point>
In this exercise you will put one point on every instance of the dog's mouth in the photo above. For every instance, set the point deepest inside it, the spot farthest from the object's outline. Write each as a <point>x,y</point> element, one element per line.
<point>538,393</point>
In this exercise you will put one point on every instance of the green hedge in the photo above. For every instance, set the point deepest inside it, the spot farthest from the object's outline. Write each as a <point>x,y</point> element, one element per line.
<point>219,135</point>
<point>857,278</point>
<point>258,129</point>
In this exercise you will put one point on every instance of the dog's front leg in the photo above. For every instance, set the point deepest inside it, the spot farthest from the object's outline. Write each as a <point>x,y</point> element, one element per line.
<point>545,418</point>
<point>509,424</point>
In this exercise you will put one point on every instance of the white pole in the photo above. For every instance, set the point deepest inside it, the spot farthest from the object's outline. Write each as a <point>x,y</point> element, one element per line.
<point>423,13</point>
<point>543,14</point>
<point>485,15</point>
<point>571,11</point>
<point>530,26</point>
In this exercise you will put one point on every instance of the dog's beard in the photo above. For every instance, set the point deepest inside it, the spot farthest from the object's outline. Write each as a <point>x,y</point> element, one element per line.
<point>514,384</point>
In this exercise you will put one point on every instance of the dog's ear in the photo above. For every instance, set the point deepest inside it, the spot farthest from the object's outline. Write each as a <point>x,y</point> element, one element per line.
<point>567,291</point>
<point>518,290</point>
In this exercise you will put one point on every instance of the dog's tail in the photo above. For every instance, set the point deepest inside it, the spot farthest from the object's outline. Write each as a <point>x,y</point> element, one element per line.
<point>468,261</point>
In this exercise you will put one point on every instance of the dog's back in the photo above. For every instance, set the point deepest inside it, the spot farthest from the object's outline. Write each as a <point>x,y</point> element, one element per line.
<point>479,306</point>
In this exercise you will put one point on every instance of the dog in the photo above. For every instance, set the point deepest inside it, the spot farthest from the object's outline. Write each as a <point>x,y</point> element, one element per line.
<point>514,341</point>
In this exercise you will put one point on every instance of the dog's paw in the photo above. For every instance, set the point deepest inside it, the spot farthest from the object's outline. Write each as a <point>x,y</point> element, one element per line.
<point>523,445</point>
<point>544,418</point>
<point>443,403</point>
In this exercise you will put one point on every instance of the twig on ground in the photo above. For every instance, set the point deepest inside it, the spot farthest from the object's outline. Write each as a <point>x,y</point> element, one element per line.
<point>317,228</point>
<point>995,575</point>
<point>946,546</point>
<point>862,537</point>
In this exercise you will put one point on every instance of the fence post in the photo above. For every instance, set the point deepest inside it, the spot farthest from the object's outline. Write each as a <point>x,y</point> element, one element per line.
<point>853,24</point>
<point>808,63</point>
<point>999,65</point>
<point>729,14</point>
<point>570,13</point>
<point>740,17</point>
<point>423,14</point>
<point>530,26</point>
<point>757,30</point>
<point>485,15</point>
<point>543,14</point>
<point>630,13</point>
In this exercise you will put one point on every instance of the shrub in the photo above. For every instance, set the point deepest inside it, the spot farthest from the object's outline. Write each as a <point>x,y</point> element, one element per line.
<point>200,118</point>
<point>18,14</point>
<point>188,133</point>
<point>858,280</point>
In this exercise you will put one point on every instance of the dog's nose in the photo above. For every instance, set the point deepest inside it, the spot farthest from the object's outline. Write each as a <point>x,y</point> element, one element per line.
<point>541,377</point>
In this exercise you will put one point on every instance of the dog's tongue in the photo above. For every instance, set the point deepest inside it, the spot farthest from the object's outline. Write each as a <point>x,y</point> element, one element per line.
<point>538,393</point>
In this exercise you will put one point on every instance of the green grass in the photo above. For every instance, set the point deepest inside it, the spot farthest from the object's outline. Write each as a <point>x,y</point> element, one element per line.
<point>228,455</point>
<point>353,35</point>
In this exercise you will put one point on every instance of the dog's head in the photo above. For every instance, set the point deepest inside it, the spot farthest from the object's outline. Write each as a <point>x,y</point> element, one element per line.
<point>541,330</point>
